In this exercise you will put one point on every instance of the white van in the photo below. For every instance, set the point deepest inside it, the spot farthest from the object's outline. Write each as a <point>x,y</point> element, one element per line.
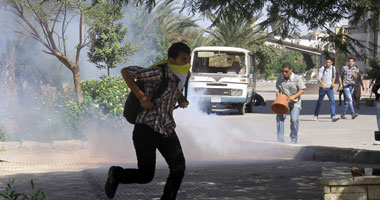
<point>223,77</point>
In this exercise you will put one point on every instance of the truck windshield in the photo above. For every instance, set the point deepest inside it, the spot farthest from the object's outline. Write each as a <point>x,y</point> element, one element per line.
<point>219,62</point>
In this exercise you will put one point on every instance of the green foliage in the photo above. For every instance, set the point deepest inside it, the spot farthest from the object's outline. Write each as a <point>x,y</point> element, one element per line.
<point>12,194</point>
<point>268,59</point>
<point>236,32</point>
<point>103,102</point>
<point>106,35</point>
<point>272,78</point>
<point>154,31</point>
<point>308,75</point>
<point>295,59</point>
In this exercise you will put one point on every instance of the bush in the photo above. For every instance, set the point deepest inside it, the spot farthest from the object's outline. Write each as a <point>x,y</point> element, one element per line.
<point>272,78</point>
<point>103,99</point>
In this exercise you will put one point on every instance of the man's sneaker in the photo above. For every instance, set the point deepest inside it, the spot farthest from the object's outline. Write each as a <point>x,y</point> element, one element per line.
<point>111,184</point>
<point>354,115</point>
<point>343,117</point>
<point>334,119</point>
<point>315,118</point>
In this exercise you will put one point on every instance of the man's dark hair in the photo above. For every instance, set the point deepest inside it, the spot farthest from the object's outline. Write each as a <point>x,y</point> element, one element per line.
<point>286,65</point>
<point>330,59</point>
<point>351,58</point>
<point>174,50</point>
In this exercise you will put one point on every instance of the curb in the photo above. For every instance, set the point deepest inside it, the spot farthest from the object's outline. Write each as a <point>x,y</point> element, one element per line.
<point>315,153</point>
<point>61,145</point>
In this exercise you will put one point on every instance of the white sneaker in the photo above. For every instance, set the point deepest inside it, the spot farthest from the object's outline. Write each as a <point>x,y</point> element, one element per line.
<point>335,119</point>
<point>315,118</point>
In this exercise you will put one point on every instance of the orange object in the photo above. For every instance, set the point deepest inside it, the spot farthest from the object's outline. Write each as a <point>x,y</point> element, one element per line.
<point>280,105</point>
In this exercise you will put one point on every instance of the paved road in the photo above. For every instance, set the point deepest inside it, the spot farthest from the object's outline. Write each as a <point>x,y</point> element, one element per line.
<point>223,162</point>
<point>281,179</point>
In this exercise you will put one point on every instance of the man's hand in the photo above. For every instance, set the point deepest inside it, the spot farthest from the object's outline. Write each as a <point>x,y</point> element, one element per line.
<point>332,85</point>
<point>354,76</point>
<point>291,98</point>
<point>340,87</point>
<point>146,103</point>
<point>184,104</point>
<point>323,86</point>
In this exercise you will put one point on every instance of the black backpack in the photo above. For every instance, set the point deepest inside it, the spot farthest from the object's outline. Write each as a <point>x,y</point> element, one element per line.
<point>132,105</point>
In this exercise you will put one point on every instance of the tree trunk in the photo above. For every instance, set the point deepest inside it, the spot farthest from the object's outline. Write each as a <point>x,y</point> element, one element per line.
<point>74,68</point>
<point>77,85</point>
<point>108,71</point>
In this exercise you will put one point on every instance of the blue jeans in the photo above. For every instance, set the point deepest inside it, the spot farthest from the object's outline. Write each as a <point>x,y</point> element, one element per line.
<point>294,124</point>
<point>330,95</point>
<point>348,90</point>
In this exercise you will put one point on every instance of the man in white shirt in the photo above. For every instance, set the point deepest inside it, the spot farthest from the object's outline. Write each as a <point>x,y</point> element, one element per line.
<point>326,79</point>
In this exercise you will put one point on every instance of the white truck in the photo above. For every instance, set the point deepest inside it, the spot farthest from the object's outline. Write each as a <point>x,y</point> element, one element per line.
<point>223,77</point>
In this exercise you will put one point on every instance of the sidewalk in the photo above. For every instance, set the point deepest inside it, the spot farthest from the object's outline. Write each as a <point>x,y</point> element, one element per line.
<point>228,157</point>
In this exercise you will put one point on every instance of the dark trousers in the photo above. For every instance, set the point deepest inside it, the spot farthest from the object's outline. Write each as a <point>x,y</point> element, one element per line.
<point>341,92</point>
<point>146,141</point>
<point>356,96</point>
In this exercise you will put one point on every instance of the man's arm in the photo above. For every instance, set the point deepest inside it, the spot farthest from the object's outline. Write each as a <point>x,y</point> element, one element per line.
<point>296,95</point>
<point>144,100</point>
<point>320,76</point>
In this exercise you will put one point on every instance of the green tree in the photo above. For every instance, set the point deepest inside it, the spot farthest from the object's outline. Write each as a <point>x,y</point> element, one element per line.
<point>288,15</point>
<point>267,59</point>
<point>106,34</point>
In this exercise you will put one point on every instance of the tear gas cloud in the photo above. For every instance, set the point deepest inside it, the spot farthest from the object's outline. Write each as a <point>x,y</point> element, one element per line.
<point>202,136</point>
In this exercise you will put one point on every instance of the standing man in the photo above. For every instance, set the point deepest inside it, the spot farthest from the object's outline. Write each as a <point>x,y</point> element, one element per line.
<point>348,75</point>
<point>154,128</point>
<point>291,85</point>
<point>326,79</point>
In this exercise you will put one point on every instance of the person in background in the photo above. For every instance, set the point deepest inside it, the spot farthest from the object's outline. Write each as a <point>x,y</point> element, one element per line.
<point>154,128</point>
<point>358,90</point>
<point>348,75</point>
<point>291,85</point>
<point>326,79</point>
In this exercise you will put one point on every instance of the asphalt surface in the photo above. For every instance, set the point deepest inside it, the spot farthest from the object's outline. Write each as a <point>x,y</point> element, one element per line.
<point>228,157</point>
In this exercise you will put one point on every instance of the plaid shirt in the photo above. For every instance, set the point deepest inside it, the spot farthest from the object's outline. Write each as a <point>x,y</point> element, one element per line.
<point>160,117</point>
<point>346,75</point>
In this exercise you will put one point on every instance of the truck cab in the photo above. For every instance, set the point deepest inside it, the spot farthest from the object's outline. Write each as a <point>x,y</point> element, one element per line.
<point>222,77</point>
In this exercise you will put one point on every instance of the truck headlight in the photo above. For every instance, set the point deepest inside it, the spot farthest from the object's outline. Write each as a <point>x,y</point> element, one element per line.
<point>236,92</point>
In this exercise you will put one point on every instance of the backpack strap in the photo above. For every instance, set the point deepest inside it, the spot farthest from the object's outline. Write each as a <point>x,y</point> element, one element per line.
<point>187,84</point>
<point>163,85</point>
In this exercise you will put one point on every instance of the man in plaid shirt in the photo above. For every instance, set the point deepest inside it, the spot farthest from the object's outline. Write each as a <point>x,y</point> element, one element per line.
<point>154,128</point>
<point>348,75</point>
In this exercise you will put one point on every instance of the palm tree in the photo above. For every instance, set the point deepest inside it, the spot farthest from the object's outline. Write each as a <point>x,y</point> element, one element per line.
<point>154,31</point>
<point>235,31</point>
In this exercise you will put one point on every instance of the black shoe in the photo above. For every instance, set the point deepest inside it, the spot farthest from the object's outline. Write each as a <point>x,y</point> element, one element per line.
<point>343,117</point>
<point>111,184</point>
<point>294,141</point>
<point>354,115</point>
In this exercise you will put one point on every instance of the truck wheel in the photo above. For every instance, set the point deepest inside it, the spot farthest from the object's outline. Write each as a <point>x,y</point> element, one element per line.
<point>241,109</point>
<point>248,108</point>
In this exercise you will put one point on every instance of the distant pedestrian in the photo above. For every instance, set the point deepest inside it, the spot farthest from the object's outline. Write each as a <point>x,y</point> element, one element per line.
<point>291,85</point>
<point>348,75</point>
<point>326,79</point>
<point>358,90</point>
